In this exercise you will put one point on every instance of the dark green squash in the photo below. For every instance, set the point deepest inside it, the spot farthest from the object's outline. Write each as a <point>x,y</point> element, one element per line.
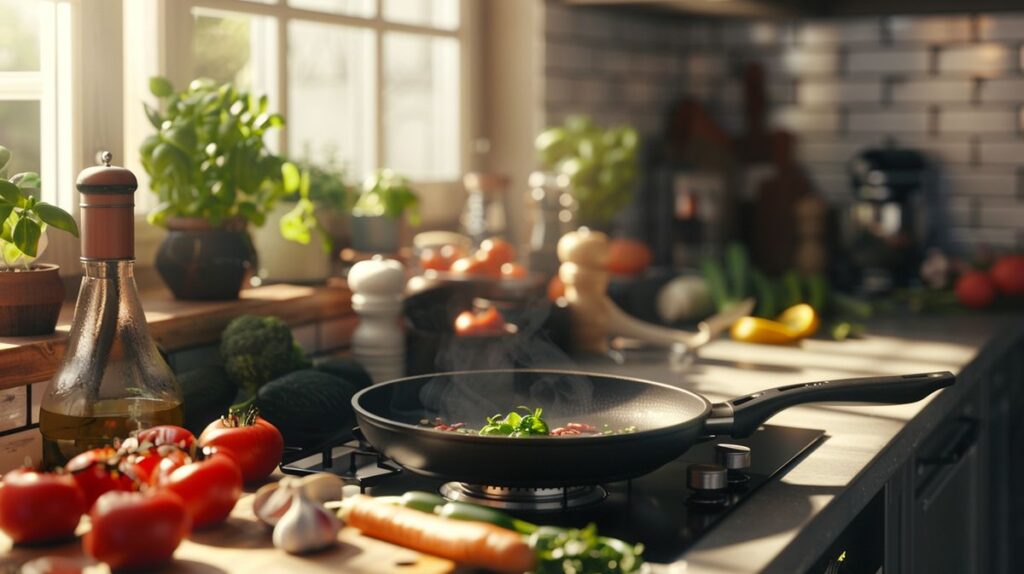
<point>207,393</point>
<point>309,407</point>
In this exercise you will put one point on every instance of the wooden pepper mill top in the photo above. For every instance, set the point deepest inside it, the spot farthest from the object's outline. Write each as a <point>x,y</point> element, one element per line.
<point>107,201</point>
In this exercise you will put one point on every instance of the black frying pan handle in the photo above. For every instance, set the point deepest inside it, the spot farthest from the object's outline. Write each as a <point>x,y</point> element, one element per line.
<point>740,417</point>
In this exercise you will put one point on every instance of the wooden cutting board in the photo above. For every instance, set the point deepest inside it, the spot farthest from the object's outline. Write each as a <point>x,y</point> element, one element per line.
<point>243,545</point>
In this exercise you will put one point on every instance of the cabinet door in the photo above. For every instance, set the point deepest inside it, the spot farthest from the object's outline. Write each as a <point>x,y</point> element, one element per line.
<point>945,517</point>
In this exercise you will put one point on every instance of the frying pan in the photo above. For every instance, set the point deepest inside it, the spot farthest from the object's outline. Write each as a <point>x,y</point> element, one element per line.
<point>667,421</point>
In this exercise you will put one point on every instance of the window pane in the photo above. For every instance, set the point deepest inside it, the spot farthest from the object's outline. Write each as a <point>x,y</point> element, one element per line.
<point>421,106</point>
<point>19,35</point>
<point>360,8</point>
<point>331,101</point>
<point>436,13</point>
<point>231,47</point>
<point>20,121</point>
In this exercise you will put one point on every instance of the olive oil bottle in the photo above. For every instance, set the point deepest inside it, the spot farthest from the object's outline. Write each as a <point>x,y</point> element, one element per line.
<point>112,380</point>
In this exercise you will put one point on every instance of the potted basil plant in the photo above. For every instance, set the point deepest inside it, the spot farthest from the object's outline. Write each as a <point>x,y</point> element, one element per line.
<point>215,177</point>
<point>311,220</point>
<point>377,214</point>
<point>600,164</point>
<point>31,294</point>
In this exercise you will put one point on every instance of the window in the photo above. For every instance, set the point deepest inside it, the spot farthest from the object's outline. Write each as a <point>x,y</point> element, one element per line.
<point>32,64</point>
<point>363,83</point>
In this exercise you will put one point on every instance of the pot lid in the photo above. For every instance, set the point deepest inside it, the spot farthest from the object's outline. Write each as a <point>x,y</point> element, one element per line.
<point>106,178</point>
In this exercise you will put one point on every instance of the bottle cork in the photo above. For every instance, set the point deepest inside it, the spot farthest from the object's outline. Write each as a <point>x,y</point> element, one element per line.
<point>107,201</point>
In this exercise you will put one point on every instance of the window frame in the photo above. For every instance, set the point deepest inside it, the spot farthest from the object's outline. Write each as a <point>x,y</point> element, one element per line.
<point>177,20</point>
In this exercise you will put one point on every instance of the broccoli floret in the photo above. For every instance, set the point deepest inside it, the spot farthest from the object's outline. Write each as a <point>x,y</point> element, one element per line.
<point>256,350</point>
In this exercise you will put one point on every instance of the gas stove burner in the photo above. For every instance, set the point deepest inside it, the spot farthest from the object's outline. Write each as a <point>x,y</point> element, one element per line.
<point>524,499</point>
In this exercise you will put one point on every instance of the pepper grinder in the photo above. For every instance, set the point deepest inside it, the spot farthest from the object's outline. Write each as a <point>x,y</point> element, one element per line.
<point>595,318</point>
<point>378,342</point>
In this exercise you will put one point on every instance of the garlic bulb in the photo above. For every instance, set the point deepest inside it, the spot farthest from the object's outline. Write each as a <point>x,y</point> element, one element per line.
<point>272,500</point>
<point>306,526</point>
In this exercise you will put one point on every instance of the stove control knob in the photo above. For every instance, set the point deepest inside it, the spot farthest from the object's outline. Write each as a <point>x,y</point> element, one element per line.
<point>706,477</point>
<point>734,457</point>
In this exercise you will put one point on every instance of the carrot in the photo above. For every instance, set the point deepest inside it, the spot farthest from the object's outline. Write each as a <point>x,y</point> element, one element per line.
<point>473,543</point>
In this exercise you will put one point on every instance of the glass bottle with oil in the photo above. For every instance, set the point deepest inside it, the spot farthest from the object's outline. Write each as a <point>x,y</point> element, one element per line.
<point>112,380</point>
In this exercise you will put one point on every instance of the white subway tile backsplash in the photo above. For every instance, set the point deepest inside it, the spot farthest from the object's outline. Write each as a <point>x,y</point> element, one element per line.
<point>758,33</point>
<point>978,121</point>
<point>558,19</point>
<point>13,408</point>
<point>1001,152</point>
<point>564,56</point>
<point>887,121</point>
<point>961,211</point>
<point>932,91</point>
<point>834,151</point>
<point>17,447</point>
<point>812,92</point>
<point>807,61</point>
<point>976,60</point>
<point>930,29</point>
<point>558,90</point>
<point>1001,27</point>
<point>1001,213</point>
<point>969,182</point>
<point>799,119</point>
<point>1001,90</point>
<point>705,65</point>
<point>884,61</point>
<point>593,25</point>
<point>845,31</point>
<point>973,238</point>
<point>832,183</point>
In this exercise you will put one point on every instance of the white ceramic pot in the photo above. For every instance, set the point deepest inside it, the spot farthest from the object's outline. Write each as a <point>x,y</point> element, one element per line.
<point>287,261</point>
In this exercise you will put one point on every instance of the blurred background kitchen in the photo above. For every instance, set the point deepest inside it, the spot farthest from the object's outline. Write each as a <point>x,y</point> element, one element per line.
<point>868,148</point>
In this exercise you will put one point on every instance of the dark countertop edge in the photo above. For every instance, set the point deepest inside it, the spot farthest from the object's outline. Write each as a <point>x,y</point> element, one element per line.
<point>816,536</point>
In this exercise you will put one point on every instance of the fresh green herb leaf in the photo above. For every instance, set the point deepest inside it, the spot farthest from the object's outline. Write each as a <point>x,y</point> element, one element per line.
<point>56,217</point>
<point>26,236</point>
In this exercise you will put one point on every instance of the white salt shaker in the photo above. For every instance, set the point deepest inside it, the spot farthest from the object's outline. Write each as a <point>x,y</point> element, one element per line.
<point>378,342</point>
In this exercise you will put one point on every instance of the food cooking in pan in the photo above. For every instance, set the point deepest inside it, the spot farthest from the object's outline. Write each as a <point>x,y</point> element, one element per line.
<point>528,424</point>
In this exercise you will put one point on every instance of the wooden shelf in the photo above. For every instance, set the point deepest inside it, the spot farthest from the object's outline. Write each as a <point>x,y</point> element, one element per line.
<point>177,324</point>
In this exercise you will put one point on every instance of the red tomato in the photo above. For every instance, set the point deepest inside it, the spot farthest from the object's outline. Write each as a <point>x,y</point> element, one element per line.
<point>513,271</point>
<point>209,488</point>
<point>628,256</point>
<point>497,252</point>
<point>1008,274</point>
<point>440,259</point>
<point>154,465</point>
<point>169,435</point>
<point>98,471</point>
<point>136,530</point>
<point>475,266</point>
<point>255,444</point>
<point>974,289</point>
<point>488,322</point>
<point>39,506</point>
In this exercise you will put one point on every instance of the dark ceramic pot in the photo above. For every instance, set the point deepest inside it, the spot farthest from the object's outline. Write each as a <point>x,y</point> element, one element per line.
<point>200,262</point>
<point>30,301</point>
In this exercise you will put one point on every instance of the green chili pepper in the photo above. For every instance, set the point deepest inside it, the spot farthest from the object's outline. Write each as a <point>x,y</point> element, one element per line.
<point>474,513</point>
<point>422,501</point>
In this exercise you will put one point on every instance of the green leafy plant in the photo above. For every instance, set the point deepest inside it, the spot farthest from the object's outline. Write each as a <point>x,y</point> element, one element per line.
<point>599,162</point>
<point>516,425</point>
<point>25,218</point>
<point>319,187</point>
<point>385,193</point>
<point>208,158</point>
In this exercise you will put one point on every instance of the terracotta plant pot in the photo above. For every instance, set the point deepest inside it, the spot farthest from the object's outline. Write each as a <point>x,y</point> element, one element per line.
<point>198,261</point>
<point>30,301</point>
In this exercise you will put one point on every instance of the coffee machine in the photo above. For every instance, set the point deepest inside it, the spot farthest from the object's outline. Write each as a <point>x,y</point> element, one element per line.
<point>886,228</point>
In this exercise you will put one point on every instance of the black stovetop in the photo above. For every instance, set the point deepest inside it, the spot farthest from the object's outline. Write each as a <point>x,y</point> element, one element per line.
<point>655,509</point>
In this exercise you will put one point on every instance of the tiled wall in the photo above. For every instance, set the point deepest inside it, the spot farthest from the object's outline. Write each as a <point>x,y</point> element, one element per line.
<point>19,406</point>
<point>950,86</point>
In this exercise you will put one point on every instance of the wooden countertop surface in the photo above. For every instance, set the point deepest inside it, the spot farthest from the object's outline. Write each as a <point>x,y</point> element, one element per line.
<point>243,545</point>
<point>176,324</point>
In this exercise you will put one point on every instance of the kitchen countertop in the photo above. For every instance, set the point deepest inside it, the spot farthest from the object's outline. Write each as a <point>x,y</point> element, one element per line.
<point>792,520</point>
<point>176,324</point>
